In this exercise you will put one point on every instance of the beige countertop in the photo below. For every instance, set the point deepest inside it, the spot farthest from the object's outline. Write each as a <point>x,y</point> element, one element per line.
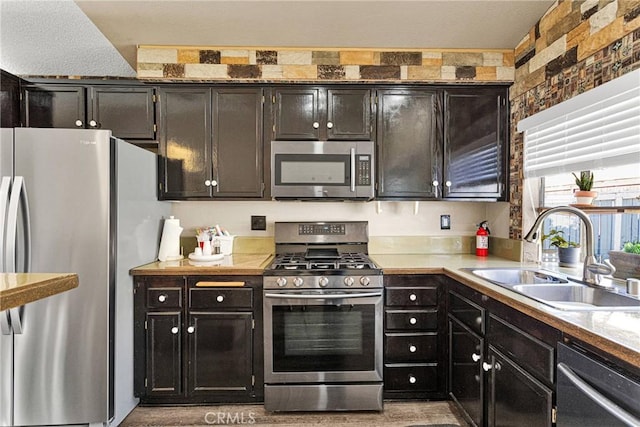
<point>236,264</point>
<point>18,289</point>
<point>616,332</point>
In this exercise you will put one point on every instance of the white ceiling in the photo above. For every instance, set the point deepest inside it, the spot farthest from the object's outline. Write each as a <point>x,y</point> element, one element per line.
<point>91,37</point>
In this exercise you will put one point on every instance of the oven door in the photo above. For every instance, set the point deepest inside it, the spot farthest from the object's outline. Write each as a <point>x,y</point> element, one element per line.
<point>322,336</point>
<point>322,169</point>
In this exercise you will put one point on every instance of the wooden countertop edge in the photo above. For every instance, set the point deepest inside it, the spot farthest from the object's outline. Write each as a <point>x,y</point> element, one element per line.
<point>21,295</point>
<point>195,271</point>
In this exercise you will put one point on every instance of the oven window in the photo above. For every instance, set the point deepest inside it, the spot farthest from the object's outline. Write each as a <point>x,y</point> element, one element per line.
<point>323,338</point>
<point>314,169</point>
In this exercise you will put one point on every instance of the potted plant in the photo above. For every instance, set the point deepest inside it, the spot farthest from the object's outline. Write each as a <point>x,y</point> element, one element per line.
<point>584,195</point>
<point>626,261</point>
<point>568,251</point>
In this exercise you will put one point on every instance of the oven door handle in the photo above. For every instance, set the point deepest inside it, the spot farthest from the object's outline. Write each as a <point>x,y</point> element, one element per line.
<point>327,296</point>
<point>353,170</point>
<point>598,398</point>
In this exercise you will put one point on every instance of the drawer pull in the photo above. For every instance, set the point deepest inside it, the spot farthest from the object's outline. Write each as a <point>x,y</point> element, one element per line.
<point>218,284</point>
<point>475,357</point>
<point>174,330</point>
<point>413,297</point>
<point>413,320</point>
<point>191,329</point>
<point>162,298</point>
<point>219,298</point>
<point>412,379</point>
<point>479,320</point>
<point>413,348</point>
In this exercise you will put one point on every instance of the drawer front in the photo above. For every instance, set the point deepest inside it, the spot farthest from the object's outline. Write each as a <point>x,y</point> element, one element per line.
<point>411,320</point>
<point>467,312</point>
<point>411,297</point>
<point>220,298</point>
<point>529,352</point>
<point>411,347</point>
<point>164,298</point>
<point>418,377</point>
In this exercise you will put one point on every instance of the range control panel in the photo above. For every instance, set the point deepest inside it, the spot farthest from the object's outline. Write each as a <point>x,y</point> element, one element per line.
<point>321,229</point>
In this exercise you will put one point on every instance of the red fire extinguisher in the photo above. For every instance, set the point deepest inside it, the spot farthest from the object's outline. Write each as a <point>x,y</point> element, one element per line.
<point>482,239</point>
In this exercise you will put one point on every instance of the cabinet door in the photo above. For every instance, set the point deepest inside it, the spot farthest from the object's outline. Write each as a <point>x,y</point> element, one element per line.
<point>297,114</point>
<point>348,114</point>
<point>54,107</point>
<point>185,142</point>
<point>220,352</point>
<point>9,100</point>
<point>465,371</point>
<point>237,142</point>
<point>409,143</point>
<point>164,354</point>
<point>475,143</point>
<point>128,111</point>
<point>515,397</point>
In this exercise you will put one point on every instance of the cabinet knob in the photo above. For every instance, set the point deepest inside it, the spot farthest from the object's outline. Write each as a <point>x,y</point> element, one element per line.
<point>207,182</point>
<point>93,124</point>
<point>475,357</point>
<point>174,330</point>
<point>448,183</point>
<point>191,329</point>
<point>219,298</point>
<point>316,125</point>
<point>162,298</point>
<point>413,348</point>
<point>486,366</point>
<point>214,183</point>
<point>329,125</point>
<point>412,379</point>
<point>413,321</point>
<point>413,297</point>
<point>435,183</point>
<point>79,123</point>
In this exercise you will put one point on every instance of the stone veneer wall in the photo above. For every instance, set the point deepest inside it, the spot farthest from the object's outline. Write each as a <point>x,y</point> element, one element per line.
<point>576,46</point>
<point>289,64</point>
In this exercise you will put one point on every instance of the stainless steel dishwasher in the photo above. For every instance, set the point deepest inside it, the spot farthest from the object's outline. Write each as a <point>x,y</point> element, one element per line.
<point>590,393</point>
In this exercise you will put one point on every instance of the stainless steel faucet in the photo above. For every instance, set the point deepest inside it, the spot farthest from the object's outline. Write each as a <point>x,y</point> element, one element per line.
<point>592,270</point>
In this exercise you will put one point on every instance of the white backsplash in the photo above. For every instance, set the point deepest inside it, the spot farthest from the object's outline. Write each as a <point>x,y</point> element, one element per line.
<point>394,218</point>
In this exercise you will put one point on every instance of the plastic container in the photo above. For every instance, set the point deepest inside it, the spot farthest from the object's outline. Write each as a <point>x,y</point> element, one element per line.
<point>226,244</point>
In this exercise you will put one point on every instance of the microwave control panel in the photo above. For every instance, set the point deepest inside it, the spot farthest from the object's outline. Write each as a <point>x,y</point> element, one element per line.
<point>364,170</point>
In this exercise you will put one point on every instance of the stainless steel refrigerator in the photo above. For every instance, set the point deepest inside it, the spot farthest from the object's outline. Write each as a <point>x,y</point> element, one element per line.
<point>92,210</point>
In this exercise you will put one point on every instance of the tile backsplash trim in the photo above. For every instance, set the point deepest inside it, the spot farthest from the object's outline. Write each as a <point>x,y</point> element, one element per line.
<point>349,65</point>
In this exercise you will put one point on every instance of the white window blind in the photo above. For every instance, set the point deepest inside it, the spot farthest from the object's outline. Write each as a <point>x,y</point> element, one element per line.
<point>596,129</point>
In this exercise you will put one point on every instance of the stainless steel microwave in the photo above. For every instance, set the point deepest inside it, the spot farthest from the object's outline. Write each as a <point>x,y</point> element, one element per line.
<point>341,170</point>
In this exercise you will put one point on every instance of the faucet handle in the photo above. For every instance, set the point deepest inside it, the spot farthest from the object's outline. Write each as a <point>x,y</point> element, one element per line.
<point>602,269</point>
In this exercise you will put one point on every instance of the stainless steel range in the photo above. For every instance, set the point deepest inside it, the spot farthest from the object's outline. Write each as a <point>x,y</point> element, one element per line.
<point>322,319</point>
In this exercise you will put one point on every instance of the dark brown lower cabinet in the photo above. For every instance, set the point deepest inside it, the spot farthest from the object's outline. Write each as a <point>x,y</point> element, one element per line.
<point>196,341</point>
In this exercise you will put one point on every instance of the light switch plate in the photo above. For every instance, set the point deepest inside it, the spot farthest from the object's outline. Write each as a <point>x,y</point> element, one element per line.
<point>258,222</point>
<point>445,222</point>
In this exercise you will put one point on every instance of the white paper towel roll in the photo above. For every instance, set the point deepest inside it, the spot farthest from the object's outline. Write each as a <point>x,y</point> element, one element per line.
<point>170,242</point>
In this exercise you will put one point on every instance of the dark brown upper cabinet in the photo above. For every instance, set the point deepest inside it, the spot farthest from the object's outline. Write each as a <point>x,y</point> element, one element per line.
<point>211,142</point>
<point>443,143</point>
<point>10,87</point>
<point>409,143</point>
<point>128,111</point>
<point>322,113</point>
<point>475,142</point>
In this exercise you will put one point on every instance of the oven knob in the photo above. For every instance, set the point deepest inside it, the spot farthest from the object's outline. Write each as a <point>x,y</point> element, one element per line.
<point>298,281</point>
<point>348,281</point>
<point>281,281</point>
<point>364,281</point>
<point>323,282</point>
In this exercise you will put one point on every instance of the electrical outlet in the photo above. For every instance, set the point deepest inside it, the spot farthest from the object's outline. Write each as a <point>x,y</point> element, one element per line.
<point>445,222</point>
<point>258,222</point>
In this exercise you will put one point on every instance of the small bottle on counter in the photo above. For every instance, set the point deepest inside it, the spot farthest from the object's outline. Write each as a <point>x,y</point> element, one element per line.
<point>216,246</point>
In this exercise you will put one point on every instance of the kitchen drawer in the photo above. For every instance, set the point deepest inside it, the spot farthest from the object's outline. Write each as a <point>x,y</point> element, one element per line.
<point>411,320</point>
<point>414,377</point>
<point>220,298</point>
<point>410,297</point>
<point>164,298</point>
<point>467,312</point>
<point>529,352</point>
<point>411,347</point>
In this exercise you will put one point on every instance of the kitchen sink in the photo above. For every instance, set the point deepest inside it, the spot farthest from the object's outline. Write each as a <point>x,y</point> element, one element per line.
<point>556,290</point>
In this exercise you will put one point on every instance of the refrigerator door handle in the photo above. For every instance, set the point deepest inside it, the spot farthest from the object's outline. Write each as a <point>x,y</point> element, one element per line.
<point>15,314</point>
<point>5,327</point>
<point>5,186</point>
<point>18,195</point>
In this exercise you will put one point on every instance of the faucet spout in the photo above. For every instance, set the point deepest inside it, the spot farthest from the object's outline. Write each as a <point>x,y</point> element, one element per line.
<point>591,270</point>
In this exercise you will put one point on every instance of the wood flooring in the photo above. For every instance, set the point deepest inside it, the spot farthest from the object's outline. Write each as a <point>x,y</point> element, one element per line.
<point>395,414</point>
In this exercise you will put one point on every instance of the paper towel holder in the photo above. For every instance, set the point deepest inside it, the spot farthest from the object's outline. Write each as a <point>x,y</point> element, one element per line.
<point>170,241</point>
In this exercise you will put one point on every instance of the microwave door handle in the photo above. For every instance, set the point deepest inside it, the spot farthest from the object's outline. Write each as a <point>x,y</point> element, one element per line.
<point>353,170</point>
<point>598,398</point>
